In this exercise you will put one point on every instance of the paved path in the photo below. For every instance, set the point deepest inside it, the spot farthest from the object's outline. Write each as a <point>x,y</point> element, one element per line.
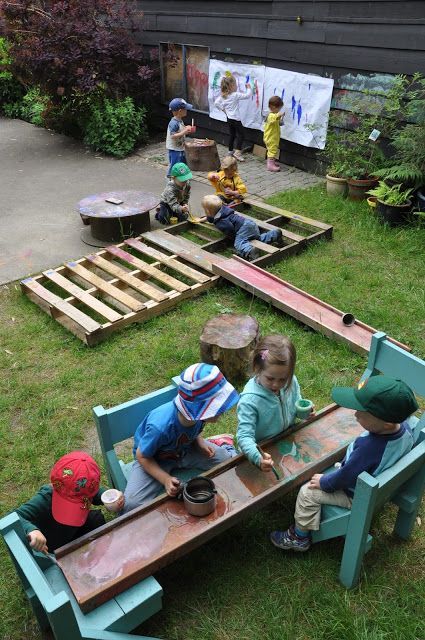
<point>43,175</point>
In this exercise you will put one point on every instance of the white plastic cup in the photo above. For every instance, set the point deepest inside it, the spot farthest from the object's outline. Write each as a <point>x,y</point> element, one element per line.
<point>110,499</point>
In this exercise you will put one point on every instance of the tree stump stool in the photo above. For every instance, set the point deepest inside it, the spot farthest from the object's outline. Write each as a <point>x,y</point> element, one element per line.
<point>202,155</point>
<point>228,341</point>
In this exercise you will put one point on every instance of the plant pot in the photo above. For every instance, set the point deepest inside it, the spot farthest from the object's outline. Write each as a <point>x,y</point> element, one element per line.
<point>336,186</point>
<point>372,200</point>
<point>393,215</point>
<point>357,188</point>
<point>421,199</point>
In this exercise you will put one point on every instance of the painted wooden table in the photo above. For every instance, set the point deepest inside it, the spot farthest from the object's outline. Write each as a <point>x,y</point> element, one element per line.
<point>115,222</point>
<point>126,550</point>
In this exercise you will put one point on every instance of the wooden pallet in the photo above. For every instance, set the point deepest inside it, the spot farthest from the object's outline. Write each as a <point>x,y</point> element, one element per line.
<point>297,232</point>
<point>122,284</point>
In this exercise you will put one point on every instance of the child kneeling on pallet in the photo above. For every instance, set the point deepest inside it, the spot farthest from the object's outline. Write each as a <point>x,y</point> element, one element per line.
<point>237,228</point>
<point>382,406</point>
<point>227,182</point>
<point>169,438</point>
<point>174,201</point>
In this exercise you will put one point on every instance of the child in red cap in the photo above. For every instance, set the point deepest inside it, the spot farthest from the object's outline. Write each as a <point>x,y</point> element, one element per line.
<point>60,512</point>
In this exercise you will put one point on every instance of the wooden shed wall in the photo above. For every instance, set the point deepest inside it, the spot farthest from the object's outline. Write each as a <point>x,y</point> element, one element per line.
<point>355,42</point>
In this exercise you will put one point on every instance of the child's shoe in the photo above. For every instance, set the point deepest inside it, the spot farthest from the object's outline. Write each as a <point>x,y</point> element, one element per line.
<point>271,165</point>
<point>222,438</point>
<point>288,540</point>
<point>239,157</point>
<point>252,255</point>
<point>276,163</point>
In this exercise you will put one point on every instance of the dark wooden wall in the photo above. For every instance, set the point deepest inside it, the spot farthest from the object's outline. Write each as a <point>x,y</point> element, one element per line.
<point>359,44</point>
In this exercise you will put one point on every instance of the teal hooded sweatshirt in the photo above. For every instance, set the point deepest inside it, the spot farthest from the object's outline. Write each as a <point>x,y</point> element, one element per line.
<point>263,414</point>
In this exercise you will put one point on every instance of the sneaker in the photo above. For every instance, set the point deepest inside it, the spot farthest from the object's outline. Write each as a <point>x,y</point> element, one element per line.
<point>222,438</point>
<point>288,540</point>
<point>253,254</point>
<point>239,157</point>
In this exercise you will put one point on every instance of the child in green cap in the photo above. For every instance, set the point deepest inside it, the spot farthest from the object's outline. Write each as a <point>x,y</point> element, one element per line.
<point>175,197</point>
<point>382,405</point>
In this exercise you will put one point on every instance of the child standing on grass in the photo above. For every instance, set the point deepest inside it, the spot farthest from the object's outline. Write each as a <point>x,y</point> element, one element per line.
<point>237,228</point>
<point>267,403</point>
<point>272,132</point>
<point>61,511</point>
<point>382,404</point>
<point>176,132</point>
<point>227,182</point>
<point>229,103</point>
<point>174,200</point>
<point>169,438</point>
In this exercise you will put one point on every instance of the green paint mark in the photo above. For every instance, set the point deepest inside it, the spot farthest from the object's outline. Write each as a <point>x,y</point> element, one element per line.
<point>287,448</point>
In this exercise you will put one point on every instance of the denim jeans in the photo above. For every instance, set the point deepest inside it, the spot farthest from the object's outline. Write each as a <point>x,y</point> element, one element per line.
<point>173,158</point>
<point>250,231</point>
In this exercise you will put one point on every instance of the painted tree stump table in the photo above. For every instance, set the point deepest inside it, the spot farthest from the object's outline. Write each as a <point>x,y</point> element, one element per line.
<point>227,340</point>
<point>111,222</point>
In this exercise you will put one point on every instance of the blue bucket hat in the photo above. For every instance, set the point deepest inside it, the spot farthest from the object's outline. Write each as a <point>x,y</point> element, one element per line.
<point>179,103</point>
<point>204,392</point>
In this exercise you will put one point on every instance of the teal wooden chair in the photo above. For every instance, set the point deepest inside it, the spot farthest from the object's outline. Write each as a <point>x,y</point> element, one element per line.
<point>403,484</point>
<point>55,606</point>
<point>120,422</point>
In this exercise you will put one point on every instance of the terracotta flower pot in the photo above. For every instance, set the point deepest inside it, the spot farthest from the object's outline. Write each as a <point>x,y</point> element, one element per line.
<point>336,186</point>
<point>357,188</point>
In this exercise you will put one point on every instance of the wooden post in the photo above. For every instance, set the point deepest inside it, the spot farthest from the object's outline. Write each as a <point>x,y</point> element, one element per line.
<point>202,155</point>
<point>227,341</point>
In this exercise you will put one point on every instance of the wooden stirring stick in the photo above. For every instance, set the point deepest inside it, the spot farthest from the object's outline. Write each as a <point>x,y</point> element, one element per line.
<point>261,452</point>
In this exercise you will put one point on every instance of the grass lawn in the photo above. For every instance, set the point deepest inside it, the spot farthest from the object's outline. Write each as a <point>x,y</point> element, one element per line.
<point>237,587</point>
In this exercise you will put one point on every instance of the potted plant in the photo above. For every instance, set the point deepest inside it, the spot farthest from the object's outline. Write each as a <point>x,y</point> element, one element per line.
<point>393,202</point>
<point>407,164</point>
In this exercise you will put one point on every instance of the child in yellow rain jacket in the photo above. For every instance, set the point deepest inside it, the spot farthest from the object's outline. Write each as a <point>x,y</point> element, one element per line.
<point>272,132</point>
<point>227,182</point>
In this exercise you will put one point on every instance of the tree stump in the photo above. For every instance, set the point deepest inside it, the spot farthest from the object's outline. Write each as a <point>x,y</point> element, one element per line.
<point>228,341</point>
<point>202,155</point>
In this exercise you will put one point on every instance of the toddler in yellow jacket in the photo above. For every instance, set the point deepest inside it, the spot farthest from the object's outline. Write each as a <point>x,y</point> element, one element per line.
<point>227,182</point>
<point>272,132</point>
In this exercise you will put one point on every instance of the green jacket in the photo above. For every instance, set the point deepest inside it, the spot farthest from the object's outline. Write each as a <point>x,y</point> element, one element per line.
<point>262,414</point>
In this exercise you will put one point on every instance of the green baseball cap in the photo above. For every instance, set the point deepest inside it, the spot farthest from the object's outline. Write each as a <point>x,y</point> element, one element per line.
<point>181,171</point>
<point>384,397</point>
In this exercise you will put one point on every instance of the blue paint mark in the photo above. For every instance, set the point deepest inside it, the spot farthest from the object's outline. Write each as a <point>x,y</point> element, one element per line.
<point>293,105</point>
<point>283,93</point>
<point>274,91</point>
<point>247,78</point>
<point>309,86</point>
<point>299,112</point>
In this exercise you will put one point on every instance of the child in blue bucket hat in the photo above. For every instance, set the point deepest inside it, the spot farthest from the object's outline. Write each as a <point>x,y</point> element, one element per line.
<point>169,438</point>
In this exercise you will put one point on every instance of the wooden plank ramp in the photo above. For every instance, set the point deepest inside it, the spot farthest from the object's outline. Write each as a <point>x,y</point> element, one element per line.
<point>119,285</point>
<point>298,303</point>
<point>121,553</point>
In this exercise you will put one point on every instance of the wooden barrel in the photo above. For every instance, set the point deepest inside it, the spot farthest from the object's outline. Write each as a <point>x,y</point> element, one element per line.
<point>202,155</point>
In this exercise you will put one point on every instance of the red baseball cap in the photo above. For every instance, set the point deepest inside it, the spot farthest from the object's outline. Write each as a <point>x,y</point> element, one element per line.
<point>75,478</point>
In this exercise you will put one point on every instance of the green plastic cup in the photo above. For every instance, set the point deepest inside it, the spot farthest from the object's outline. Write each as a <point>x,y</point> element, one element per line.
<point>303,407</point>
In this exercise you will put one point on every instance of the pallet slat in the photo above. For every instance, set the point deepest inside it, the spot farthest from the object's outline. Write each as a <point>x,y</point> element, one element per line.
<point>82,295</point>
<point>54,301</point>
<point>167,260</point>
<point>106,287</point>
<point>267,248</point>
<point>173,283</point>
<point>144,288</point>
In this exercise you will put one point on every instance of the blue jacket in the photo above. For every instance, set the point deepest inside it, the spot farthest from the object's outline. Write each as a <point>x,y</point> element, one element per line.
<point>262,414</point>
<point>227,221</point>
<point>369,452</point>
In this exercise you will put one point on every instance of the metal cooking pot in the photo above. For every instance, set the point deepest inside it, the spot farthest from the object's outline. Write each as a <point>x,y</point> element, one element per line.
<point>199,496</point>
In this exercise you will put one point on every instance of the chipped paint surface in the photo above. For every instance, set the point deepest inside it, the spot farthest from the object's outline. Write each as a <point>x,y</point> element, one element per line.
<point>134,202</point>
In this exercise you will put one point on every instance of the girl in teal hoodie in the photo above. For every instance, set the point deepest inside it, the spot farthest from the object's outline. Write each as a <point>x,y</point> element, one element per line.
<point>267,403</point>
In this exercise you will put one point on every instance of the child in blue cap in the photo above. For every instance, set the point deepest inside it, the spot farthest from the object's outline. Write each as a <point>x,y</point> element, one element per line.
<point>169,438</point>
<point>176,132</point>
<point>382,405</point>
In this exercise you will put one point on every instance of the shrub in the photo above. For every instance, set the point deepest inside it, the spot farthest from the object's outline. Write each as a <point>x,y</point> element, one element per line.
<point>11,91</point>
<point>114,126</point>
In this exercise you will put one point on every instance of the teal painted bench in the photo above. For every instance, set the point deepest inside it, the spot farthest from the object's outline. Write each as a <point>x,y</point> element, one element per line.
<point>403,484</point>
<point>120,423</point>
<point>55,606</point>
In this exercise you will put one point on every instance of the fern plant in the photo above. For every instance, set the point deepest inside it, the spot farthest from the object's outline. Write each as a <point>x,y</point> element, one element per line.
<point>392,195</point>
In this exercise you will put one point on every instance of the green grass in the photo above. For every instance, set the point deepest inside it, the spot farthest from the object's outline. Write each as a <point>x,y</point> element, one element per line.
<point>237,587</point>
